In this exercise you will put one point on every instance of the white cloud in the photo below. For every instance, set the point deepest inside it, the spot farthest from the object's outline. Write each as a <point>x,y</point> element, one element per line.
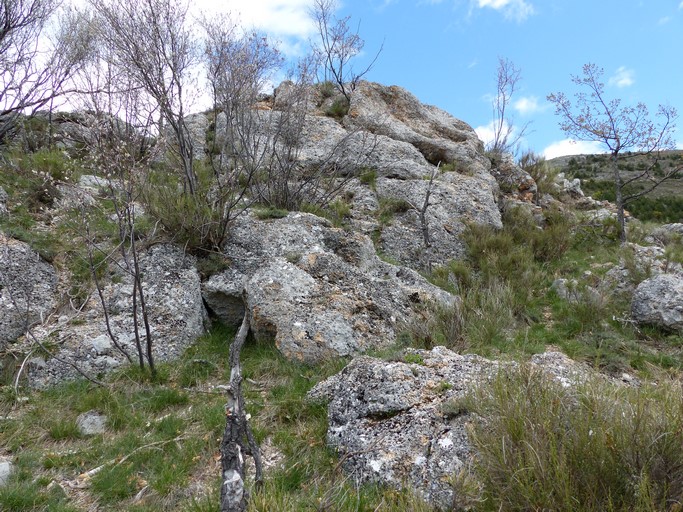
<point>664,20</point>
<point>624,77</point>
<point>485,133</point>
<point>571,147</point>
<point>528,105</point>
<point>680,6</point>
<point>278,18</point>
<point>518,10</point>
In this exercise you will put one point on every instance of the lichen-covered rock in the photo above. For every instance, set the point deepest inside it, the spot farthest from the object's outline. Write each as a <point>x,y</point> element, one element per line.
<point>659,301</point>
<point>91,423</point>
<point>641,263</point>
<point>318,291</point>
<point>175,310</point>
<point>513,179</point>
<point>397,423</point>
<point>454,201</point>
<point>28,288</point>
<point>396,113</point>
<point>6,470</point>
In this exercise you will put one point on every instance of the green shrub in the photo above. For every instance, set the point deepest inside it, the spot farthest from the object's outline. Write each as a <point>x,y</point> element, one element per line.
<point>543,174</point>
<point>327,89</point>
<point>198,221</point>
<point>338,109</point>
<point>270,212</point>
<point>594,446</point>
<point>368,177</point>
<point>390,206</point>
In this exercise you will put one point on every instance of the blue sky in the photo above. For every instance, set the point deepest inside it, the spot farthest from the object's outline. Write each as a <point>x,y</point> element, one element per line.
<point>446,51</point>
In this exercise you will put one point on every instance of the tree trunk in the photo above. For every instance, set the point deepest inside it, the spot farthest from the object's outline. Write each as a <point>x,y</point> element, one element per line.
<point>238,440</point>
<point>619,198</point>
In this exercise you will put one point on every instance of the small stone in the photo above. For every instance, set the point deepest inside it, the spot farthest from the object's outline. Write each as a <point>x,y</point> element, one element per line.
<point>102,344</point>
<point>91,423</point>
<point>5,472</point>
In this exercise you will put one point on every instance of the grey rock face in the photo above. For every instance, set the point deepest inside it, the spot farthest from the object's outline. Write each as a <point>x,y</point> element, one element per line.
<point>394,112</point>
<point>176,314</point>
<point>91,423</point>
<point>659,301</point>
<point>392,422</point>
<point>455,200</point>
<point>27,289</point>
<point>318,291</point>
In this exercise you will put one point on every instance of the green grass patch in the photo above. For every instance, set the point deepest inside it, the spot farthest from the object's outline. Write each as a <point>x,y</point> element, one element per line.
<point>592,446</point>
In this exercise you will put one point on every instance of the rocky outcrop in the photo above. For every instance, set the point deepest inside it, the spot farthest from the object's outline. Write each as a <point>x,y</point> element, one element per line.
<point>397,423</point>
<point>513,179</point>
<point>396,113</point>
<point>318,291</point>
<point>28,288</point>
<point>176,315</point>
<point>659,301</point>
<point>639,263</point>
<point>455,200</point>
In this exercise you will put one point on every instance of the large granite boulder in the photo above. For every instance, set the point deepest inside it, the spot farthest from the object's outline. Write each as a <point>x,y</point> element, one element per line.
<point>28,287</point>
<point>397,423</point>
<point>455,200</point>
<point>396,113</point>
<point>318,291</point>
<point>659,301</point>
<point>175,310</point>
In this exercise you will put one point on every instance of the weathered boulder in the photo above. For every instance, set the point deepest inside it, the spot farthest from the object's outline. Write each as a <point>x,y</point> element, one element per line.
<point>396,113</point>
<point>394,422</point>
<point>455,200</point>
<point>512,179</point>
<point>175,310</point>
<point>570,187</point>
<point>659,301</point>
<point>318,291</point>
<point>6,469</point>
<point>28,288</point>
<point>640,263</point>
<point>325,139</point>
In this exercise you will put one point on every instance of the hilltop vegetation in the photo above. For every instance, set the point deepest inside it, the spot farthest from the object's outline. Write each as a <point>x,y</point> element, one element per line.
<point>663,204</point>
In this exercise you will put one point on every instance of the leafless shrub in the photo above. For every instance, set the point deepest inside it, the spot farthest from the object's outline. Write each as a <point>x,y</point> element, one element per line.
<point>336,47</point>
<point>34,69</point>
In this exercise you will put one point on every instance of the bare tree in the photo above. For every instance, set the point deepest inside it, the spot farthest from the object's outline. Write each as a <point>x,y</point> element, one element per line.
<point>152,43</point>
<point>506,136</point>
<point>592,116</point>
<point>34,68</point>
<point>336,47</point>
<point>239,68</point>
<point>119,124</point>
<point>259,145</point>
